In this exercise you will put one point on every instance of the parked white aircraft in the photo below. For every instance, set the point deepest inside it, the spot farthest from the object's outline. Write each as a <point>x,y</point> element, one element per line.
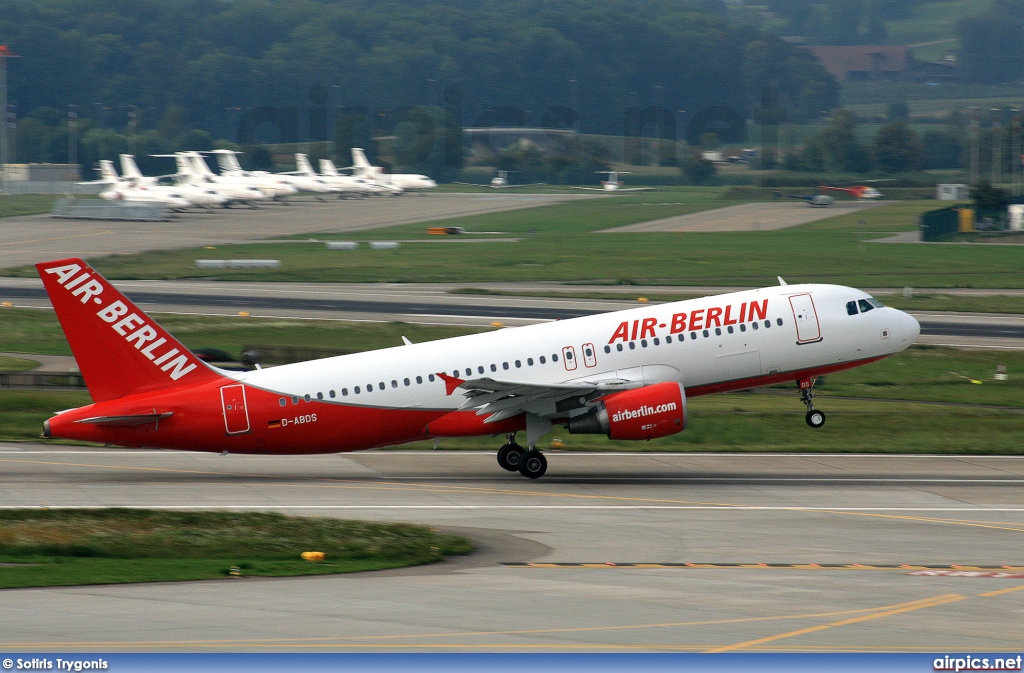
<point>351,184</point>
<point>124,190</point>
<point>625,374</point>
<point>268,183</point>
<point>346,185</point>
<point>192,169</point>
<point>407,181</point>
<point>197,195</point>
<point>613,184</point>
<point>500,181</point>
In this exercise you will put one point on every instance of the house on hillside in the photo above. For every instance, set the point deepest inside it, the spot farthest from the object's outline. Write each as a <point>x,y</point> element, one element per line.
<point>882,62</point>
<point>866,62</point>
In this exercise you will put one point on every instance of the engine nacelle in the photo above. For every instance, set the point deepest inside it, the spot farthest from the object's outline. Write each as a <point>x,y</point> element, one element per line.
<point>653,411</point>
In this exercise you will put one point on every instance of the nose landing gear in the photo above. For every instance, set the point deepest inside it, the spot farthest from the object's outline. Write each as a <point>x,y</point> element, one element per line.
<point>814,418</point>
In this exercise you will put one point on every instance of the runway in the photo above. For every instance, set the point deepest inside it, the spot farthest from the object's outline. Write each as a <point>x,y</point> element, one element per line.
<point>437,304</point>
<point>30,239</point>
<point>787,552</point>
<point>761,216</point>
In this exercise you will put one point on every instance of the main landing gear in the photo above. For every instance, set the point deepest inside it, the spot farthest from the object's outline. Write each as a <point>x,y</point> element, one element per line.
<point>530,463</point>
<point>814,418</point>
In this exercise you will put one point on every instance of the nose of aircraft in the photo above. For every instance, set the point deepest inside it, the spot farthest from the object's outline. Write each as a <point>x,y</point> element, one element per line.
<point>909,327</point>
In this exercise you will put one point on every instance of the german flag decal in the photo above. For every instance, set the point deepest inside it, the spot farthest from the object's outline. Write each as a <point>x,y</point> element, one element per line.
<point>273,424</point>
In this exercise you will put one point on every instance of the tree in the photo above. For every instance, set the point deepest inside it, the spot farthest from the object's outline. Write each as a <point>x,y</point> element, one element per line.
<point>697,169</point>
<point>989,198</point>
<point>897,148</point>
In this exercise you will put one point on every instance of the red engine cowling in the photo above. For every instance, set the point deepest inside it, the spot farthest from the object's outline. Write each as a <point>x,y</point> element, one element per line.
<point>653,411</point>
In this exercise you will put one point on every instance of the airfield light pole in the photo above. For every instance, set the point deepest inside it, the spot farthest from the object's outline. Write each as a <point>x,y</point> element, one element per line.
<point>974,145</point>
<point>133,125</point>
<point>997,145</point>
<point>5,53</point>
<point>72,135</point>
<point>1014,149</point>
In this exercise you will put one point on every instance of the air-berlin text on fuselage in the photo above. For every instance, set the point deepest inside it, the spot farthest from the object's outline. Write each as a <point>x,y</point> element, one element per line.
<point>697,319</point>
<point>131,326</point>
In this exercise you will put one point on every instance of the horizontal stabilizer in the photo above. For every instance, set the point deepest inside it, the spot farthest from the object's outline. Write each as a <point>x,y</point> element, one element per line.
<point>125,421</point>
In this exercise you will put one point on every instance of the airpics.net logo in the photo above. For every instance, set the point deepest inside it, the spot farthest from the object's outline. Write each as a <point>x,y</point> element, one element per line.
<point>973,663</point>
<point>630,414</point>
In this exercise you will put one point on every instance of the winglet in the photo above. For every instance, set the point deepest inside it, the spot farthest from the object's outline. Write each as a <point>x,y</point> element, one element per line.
<point>782,282</point>
<point>450,382</point>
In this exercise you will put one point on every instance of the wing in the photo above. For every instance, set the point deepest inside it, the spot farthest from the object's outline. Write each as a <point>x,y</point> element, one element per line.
<point>501,399</point>
<point>636,189</point>
<point>592,189</point>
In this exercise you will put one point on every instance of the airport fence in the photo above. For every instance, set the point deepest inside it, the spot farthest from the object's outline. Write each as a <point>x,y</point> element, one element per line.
<point>99,209</point>
<point>42,381</point>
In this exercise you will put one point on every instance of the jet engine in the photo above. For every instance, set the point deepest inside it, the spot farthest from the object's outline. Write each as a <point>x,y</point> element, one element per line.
<point>653,411</point>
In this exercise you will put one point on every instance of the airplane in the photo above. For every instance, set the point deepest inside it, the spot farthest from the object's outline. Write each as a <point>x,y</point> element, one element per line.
<point>612,184</point>
<point>625,374</point>
<point>124,190</point>
<point>813,200</point>
<point>330,171</point>
<point>192,170</point>
<point>197,195</point>
<point>859,192</point>
<point>406,181</point>
<point>499,181</point>
<point>346,185</point>
<point>266,182</point>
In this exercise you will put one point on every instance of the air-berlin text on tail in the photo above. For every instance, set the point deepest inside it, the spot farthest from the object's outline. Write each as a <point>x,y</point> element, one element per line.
<point>143,336</point>
<point>697,319</point>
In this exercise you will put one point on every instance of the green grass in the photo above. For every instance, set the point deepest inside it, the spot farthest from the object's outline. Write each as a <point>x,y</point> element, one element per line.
<point>26,204</point>
<point>15,365</point>
<point>559,244</point>
<point>108,546</point>
<point>22,412</point>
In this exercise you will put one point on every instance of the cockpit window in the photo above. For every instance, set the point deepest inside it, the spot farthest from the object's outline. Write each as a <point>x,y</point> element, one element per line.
<point>874,302</point>
<point>865,306</point>
<point>851,308</point>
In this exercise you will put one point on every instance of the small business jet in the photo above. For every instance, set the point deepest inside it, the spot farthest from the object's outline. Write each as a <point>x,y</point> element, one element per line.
<point>346,185</point>
<point>407,182</point>
<point>117,189</point>
<point>368,187</point>
<point>268,183</point>
<point>192,170</point>
<point>500,181</point>
<point>625,375</point>
<point>613,184</point>
<point>197,195</point>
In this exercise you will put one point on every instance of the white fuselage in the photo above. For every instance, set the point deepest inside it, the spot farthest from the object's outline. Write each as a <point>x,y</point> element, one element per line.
<point>708,345</point>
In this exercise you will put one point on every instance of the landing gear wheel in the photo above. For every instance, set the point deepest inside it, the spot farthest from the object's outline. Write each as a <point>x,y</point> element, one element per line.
<point>815,418</point>
<point>533,464</point>
<point>509,456</point>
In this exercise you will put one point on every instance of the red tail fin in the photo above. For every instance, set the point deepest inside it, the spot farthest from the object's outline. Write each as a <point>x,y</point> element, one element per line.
<point>119,349</point>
